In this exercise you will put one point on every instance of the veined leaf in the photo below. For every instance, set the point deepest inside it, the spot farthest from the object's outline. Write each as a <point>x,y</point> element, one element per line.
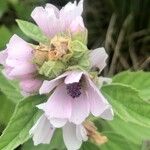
<point>17,130</point>
<point>117,142</point>
<point>32,31</point>
<point>139,80</point>
<point>89,146</point>
<point>130,131</point>
<point>6,109</point>
<point>9,89</point>
<point>6,34</point>
<point>127,104</point>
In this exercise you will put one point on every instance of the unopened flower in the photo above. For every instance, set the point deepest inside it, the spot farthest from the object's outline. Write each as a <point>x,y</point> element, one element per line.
<point>73,135</point>
<point>17,62</point>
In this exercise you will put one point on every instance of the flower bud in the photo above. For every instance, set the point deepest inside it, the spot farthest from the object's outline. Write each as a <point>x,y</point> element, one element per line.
<point>52,69</point>
<point>78,49</point>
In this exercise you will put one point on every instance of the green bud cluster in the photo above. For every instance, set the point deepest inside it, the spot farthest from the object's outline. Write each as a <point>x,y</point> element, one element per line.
<point>76,55</point>
<point>51,69</point>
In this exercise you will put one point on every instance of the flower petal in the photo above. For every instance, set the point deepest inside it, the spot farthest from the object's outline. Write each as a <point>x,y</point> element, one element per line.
<point>81,133</point>
<point>30,85</point>
<point>70,139</point>
<point>48,86</point>
<point>46,20</point>
<point>42,131</point>
<point>22,69</point>
<point>98,103</point>
<point>69,13</point>
<point>77,25</point>
<point>98,58</point>
<point>108,114</point>
<point>18,49</point>
<point>58,123</point>
<point>80,109</point>
<point>3,56</point>
<point>41,18</point>
<point>6,71</point>
<point>103,80</point>
<point>58,105</point>
<point>73,77</point>
<point>55,9</point>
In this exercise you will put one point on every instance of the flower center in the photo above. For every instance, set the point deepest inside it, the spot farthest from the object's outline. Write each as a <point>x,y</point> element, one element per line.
<point>74,89</point>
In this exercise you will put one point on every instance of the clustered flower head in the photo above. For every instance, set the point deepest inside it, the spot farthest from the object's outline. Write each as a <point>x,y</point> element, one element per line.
<point>63,70</point>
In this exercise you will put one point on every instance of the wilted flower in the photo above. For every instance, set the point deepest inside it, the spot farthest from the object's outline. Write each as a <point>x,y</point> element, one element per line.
<point>93,134</point>
<point>73,135</point>
<point>17,61</point>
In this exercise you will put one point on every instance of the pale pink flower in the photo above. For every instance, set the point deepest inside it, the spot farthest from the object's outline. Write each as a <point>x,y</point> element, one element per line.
<point>51,20</point>
<point>75,95</point>
<point>42,131</point>
<point>73,135</point>
<point>17,62</point>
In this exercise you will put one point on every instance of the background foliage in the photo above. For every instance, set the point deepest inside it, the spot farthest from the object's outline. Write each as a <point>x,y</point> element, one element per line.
<point>123,28</point>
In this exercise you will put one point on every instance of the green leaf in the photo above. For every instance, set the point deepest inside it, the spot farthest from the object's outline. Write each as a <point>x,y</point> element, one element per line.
<point>9,89</point>
<point>128,130</point>
<point>3,7</point>
<point>5,35</point>
<point>17,130</point>
<point>139,80</point>
<point>23,8</point>
<point>55,144</point>
<point>6,109</point>
<point>32,31</point>
<point>127,104</point>
<point>117,142</point>
<point>89,146</point>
